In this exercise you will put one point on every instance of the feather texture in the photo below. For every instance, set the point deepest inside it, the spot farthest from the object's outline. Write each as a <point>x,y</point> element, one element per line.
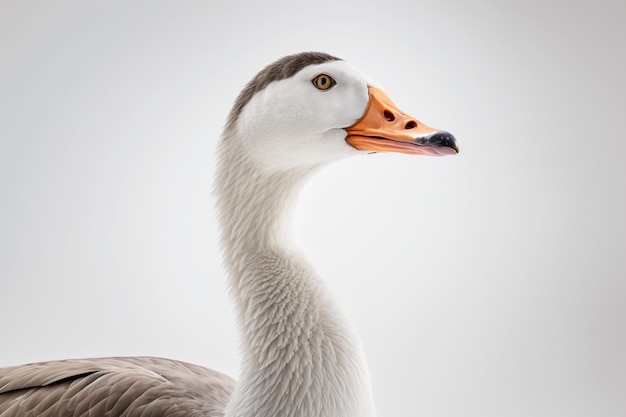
<point>125,387</point>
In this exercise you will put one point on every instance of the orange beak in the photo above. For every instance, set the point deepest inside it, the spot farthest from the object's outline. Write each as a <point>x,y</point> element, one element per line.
<point>386,128</point>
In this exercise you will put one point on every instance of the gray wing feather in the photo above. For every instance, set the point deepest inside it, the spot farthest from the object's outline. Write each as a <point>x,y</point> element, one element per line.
<point>113,387</point>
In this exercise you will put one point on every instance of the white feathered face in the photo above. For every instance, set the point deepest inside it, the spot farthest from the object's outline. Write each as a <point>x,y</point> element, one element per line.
<point>300,121</point>
<point>327,112</point>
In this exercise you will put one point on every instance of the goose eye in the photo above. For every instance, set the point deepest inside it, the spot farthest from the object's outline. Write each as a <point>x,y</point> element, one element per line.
<point>323,82</point>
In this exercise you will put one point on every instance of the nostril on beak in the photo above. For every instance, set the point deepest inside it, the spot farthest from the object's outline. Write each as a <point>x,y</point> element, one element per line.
<point>389,116</point>
<point>412,124</point>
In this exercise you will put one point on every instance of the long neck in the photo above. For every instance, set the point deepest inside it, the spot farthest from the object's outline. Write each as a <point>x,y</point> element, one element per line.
<point>300,356</point>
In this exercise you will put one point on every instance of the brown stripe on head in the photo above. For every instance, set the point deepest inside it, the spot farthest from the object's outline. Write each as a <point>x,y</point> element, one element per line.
<point>279,70</point>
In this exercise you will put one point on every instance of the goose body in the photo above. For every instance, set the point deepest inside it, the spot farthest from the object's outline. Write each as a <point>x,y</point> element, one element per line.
<point>300,356</point>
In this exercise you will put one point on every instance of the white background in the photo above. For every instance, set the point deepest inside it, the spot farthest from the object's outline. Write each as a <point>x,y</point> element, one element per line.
<point>488,284</point>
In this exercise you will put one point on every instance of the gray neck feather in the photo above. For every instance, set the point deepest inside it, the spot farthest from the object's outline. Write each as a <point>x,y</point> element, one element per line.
<point>300,356</point>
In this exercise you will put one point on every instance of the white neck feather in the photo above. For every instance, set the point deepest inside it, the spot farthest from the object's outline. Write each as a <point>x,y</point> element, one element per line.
<point>300,355</point>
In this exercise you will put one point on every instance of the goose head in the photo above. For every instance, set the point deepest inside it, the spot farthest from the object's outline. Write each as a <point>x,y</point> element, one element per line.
<point>311,108</point>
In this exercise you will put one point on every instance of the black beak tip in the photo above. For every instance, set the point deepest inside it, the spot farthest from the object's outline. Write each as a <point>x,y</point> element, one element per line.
<point>440,139</point>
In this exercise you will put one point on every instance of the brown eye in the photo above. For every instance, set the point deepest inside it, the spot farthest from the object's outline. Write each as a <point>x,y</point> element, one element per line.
<point>323,82</point>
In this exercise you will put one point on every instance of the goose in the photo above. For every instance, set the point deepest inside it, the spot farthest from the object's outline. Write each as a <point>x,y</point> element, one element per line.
<point>301,357</point>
